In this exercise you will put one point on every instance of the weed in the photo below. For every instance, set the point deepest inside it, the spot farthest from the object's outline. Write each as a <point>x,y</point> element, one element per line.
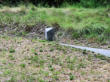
<point>71,67</point>
<point>46,74</point>
<point>42,40</point>
<point>7,72</point>
<point>41,50</point>
<point>56,72</point>
<point>84,52</point>
<point>35,53</point>
<point>13,79</point>
<point>52,49</point>
<point>10,64</point>
<point>11,57</point>
<point>41,62</point>
<point>35,58</point>
<point>33,50</point>
<point>48,55</point>
<point>72,77</point>
<point>81,65</point>
<point>49,65</point>
<point>71,62</point>
<point>51,68</point>
<point>109,46</point>
<point>23,65</point>
<point>100,57</point>
<point>40,80</point>
<point>55,77</point>
<point>90,57</point>
<point>55,61</point>
<point>30,79</point>
<point>83,73</point>
<point>75,35</point>
<point>59,47</point>
<point>4,61</point>
<point>11,50</point>
<point>23,33</point>
<point>61,63</point>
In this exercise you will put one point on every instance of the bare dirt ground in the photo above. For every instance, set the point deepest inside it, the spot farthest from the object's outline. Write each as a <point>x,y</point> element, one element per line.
<point>34,60</point>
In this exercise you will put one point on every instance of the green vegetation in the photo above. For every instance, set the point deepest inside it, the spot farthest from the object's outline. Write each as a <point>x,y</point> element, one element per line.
<point>23,65</point>
<point>91,23</point>
<point>72,77</point>
<point>11,57</point>
<point>41,50</point>
<point>11,50</point>
<point>84,52</point>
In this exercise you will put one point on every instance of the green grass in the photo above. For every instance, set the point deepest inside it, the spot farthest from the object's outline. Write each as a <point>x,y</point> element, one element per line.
<point>23,65</point>
<point>72,77</point>
<point>92,23</point>
<point>11,57</point>
<point>11,50</point>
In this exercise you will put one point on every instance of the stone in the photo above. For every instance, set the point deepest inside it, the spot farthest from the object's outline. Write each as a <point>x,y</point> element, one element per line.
<point>49,34</point>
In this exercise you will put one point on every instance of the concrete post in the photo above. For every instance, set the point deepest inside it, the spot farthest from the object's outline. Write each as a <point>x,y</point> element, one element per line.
<point>49,34</point>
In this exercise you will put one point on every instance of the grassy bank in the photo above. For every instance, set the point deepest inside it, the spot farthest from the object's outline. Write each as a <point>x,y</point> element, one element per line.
<point>79,22</point>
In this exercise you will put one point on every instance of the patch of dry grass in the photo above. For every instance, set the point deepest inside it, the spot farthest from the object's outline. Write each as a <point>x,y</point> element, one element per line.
<point>42,61</point>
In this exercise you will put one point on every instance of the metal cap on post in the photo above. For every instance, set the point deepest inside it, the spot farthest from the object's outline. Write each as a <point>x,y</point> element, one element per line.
<point>49,34</point>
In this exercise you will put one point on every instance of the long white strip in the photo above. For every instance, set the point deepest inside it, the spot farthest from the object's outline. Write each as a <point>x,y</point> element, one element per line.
<point>96,50</point>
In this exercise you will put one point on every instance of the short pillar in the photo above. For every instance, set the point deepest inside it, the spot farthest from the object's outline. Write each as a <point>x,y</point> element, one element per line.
<point>49,34</point>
